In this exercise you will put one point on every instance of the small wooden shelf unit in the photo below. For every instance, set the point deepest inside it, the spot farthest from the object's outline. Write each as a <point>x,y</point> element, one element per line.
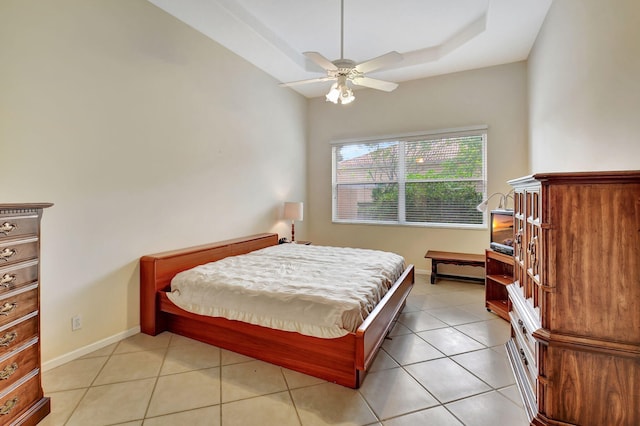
<point>499,269</point>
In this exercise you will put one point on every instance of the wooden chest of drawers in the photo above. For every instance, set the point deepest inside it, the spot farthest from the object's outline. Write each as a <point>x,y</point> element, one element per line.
<point>22,401</point>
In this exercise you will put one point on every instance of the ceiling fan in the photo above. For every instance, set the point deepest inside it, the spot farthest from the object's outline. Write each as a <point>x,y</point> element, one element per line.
<point>346,71</point>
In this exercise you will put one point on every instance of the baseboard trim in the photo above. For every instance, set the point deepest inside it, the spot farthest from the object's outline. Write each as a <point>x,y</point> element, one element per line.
<point>85,350</point>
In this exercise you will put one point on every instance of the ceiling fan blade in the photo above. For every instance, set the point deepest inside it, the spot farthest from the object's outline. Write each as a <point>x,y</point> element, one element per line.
<point>312,80</point>
<point>321,61</point>
<point>373,83</point>
<point>379,62</point>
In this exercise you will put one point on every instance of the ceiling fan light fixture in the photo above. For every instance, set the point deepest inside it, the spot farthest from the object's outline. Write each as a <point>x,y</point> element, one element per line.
<point>346,95</point>
<point>334,94</point>
<point>340,92</point>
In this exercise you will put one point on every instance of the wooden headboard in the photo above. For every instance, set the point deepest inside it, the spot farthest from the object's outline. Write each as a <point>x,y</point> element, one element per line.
<point>157,270</point>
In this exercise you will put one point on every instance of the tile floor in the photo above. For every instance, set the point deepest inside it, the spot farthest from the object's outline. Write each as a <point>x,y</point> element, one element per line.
<point>444,364</point>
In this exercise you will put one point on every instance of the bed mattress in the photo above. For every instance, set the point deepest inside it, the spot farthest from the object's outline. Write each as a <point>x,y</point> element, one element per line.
<point>317,291</point>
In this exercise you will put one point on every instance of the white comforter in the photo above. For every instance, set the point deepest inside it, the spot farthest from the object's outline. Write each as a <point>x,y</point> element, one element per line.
<point>313,290</point>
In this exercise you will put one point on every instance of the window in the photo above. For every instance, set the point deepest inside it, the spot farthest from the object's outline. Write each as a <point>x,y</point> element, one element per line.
<point>432,179</point>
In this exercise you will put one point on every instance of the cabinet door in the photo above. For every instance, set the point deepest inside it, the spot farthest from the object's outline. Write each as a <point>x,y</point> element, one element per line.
<point>519,252</point>
<point>533,247</point>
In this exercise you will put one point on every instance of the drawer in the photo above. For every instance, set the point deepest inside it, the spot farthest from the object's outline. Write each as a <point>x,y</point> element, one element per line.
<point>16,364</point>
<point>525,334</point>
<point>523,381</point>
<point>20,396</point>
<point>18,225</point>
<point>16,276</point>
<point>17,250</point>
<point>527,361</point>
<point>18,303</point>
<point>14,335</point>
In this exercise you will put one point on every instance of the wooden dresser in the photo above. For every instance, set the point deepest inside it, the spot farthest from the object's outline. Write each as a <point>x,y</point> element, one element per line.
<point>575,302</point>
<point>22,400</point>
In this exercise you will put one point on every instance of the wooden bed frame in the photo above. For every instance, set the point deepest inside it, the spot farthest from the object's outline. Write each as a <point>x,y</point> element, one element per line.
<point>343,360</point>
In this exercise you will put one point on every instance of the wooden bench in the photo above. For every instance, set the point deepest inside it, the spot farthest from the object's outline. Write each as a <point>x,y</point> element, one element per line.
<point>460,259</point>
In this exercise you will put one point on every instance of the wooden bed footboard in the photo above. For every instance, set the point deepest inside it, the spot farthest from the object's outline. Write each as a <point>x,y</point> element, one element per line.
<point>376,326</point>
<point>342,360</point>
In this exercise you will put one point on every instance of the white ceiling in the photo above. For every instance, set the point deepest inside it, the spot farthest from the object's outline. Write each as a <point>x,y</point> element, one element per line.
<point>434,36</point>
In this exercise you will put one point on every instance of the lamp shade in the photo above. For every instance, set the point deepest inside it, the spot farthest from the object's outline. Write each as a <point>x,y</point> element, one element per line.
<point>293,210</point>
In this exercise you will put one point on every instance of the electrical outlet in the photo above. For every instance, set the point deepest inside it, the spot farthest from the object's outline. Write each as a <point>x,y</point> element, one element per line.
<point>76,322</point>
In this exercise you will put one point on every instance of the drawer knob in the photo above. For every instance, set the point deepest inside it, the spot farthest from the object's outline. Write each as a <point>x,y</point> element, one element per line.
<point>8,338</point>
<point>524,358</point>
<point>6,254</point>
<point>7,308</point>
<point>521,324</point>
<point>8,406</point>
<point>7,227</point>
<point>8,371</point>
<point>7,280</point>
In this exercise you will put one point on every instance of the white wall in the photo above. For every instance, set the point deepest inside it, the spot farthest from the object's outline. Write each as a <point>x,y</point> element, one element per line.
<point>147,136</point>
<point>493,96</point>
<point>584,87</point>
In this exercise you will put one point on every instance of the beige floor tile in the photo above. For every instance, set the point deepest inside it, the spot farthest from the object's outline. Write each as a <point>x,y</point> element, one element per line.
<point>275,409</point>
<point>513,394</point>
<point>208,416</point>
<point>479,310</point>
<point>106,351</point>
<point>489,333</point>
<point>62,405</point>
<point>79,373</point>
<point>331,404</point>
<point>394,392</point>
<point>416,299</point>
<point>459,285</point>
<point>420,321</point>
<point>425,301</point>
<point>143,342</point>
<point>177,340</point>
<point>412,307</point>
<point>456,298</point>
<point>488,409</point>
<point>491,367</point>
<point>228,357</point>
<point>112,404</point>
<point>446,380</point>
<point>436,416</point>
<point>185,391</point>
<point>500,349</point>
<point>399,329</point>
<point>251,379</point>
<point>453,315</point>
<point>409,349</point>
<point>450,341</point>
<point>298,380</point>
<point>383,362</point>
<point>191,356</point>
<point>131,366</point>
<point>425,287</point>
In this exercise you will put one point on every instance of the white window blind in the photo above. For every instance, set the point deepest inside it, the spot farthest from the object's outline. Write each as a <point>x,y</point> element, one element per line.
<point>431,179</point>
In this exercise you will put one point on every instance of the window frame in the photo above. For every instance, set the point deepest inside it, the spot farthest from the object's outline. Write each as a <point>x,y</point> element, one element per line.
<point>478,130</point>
